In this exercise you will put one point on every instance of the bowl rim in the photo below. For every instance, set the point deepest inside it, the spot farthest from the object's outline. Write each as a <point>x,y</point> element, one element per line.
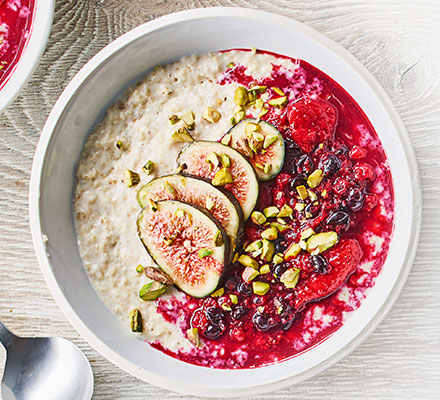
<point>31,54</point>
<point>64,100</point>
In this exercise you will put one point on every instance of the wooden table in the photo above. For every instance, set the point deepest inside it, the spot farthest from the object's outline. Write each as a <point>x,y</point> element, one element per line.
<point>397,40</point>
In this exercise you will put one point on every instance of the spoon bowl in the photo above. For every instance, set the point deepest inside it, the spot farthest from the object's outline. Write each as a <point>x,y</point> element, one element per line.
<point>44,368</point>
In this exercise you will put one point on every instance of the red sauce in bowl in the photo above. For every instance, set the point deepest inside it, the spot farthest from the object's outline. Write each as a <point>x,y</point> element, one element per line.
<point>15,27</point>
<point>323,127</point>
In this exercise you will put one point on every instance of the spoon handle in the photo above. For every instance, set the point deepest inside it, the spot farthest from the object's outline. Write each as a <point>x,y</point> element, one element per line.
<point>6,337</point>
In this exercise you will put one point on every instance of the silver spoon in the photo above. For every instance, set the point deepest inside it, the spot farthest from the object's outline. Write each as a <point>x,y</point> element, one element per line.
<point>44,368</point>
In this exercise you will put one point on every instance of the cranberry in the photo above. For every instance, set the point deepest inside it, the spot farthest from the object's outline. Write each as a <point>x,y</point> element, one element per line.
<point>212,332</point>
<point>339,219</point>
<point>330,165</point>
<point>357,152</point>
<point>244,288</point>
<point>320,264</point>
<point>305,164</point>
<point>238,312</point>
<point>282,180</point>
<point>356,199</point>
<point>263,322</point>
<point>237,334</point>
<point>364,171</point>
<point>340,186</point>
<point>371,201</point>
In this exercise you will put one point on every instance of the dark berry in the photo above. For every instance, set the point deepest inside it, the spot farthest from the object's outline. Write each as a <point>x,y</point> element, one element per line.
<point>304,164</point>
<point>292,149</point>
<point>238,312</point>
<point>244,288</point>
<point>280,246</point>
<point>263,322</point>
<point>212,332</point>
<point>216,316</point>
<point>297,181</point>
<point>339,219</point>
<point>279,270</point>
<point>330,165</point>
<point>355,199</point>
<point>287,321</point>
<point>312,210</point>
<point>341,151</point>
<point>320,264</point>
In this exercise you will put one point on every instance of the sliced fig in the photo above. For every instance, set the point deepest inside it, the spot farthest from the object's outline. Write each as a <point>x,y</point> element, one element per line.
<point>261,143</point>
<point>224,167</point>
<point>187,243</point>
<point>194,190</point>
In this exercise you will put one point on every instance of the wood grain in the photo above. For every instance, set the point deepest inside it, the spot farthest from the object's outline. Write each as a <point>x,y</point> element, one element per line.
<point>397,40</point>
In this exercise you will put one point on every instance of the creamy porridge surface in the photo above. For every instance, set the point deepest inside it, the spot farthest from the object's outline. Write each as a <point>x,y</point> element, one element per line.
<point>106,210</point>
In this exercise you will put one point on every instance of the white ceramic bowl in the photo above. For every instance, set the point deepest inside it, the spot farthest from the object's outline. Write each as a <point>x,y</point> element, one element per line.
<point>82,104</point>
<point>34,48</point>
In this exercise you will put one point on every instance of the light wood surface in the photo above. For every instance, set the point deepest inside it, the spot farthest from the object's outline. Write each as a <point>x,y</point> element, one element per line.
<point>397,40</point>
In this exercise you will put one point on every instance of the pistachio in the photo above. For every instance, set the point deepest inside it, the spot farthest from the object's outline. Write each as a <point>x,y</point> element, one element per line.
<point>253,50</point>
<point>270,233</point>
<point>302,192</point>
<point>233,122</point>
<point>222,177</point>
<point>152,204</point>
<point>253,246</point>
<point>324,193</point>
<point>307,233</point>
<point>231,65</point>
<point>250,128</point>
<point>212,158</point>
<point>188,118</point>
<point>281,221</point>
<point>252,96</point>
<point>139,269</point>
<point>226,161</point>
<point>286,211</point>
<point>265,269</point>
<point>315,178</point>
<point>278,258</point>
<point>234,298</point>
<point>299,206</point>
<point>218,239</point>
<point>180,213</point>
<point>258,218</point>
<point>158,275</point>
<point>209,204</point>
<point>218,292</point>
<point>303,245</point>
<point>270,212</point>
<point>169,188</point>
<point>292,251</point>
<point>182,135</point>
<point>322,241</point>
<point>205,253</point>
<point>193,336</point>
<point>278,102</point>
<point>260,89</point>
<point>241,96</point>
<point>249,274</point>
<point>260,309</point>
<point>174,119</point>
<point>263,112</point>
<point>226,307</point>
<point>131,178</point>
<point>268,250</point>
<point>136,321</point>
<point>119,144</point>
<point>148,168</point>
<point>226,140</point>
<point>259,103</point>
<point>267,168</point>
<point>152,290</point>
<point>181,168</point>
<point>239,116</point>
<point>247,261</point>
<point>278,91</point>
<point>312,195</point>
<point>280,227</point>
<point>211,115</point>
<point>290,277</point>
<point>260,288</point>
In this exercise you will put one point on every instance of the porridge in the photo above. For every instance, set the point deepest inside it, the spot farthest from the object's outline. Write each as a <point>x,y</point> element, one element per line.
<point>234,208</point>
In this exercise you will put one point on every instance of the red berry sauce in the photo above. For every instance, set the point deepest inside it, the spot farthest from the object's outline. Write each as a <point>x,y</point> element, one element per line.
<point>324,129</point>
<point>15,24</point>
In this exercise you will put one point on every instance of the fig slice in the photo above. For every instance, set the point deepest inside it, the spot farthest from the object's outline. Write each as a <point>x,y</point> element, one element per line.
<point>187,243</point>
<point>197,191</point>
<point>237,176</point>
<point>261,143</point>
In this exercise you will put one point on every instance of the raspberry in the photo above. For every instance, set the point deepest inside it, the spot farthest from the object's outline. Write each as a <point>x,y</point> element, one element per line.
<point>364,171</point>
<point>311,122</point>
<point>357,152</point>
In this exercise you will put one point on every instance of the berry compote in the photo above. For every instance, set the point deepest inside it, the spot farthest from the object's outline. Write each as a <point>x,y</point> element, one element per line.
<point>245,326</point>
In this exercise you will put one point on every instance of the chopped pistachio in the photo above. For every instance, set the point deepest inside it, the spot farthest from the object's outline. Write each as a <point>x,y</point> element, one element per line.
<point>307,233</point>
<point>193,336</point>
<point>139,269</point>
<point>188,118</point>
<point>222,177</point>
<point>174,119</point>
<point>263,112</point>
<point>152,204</point>
<point>233,122</point>
<point>303,244</point>
<point>280,227</point>
<point>260,288</point>
<point>247,261</point>
<point>259,103</point>
<point>253,246</point>
<point>265,269</point>
<point>290,277</point>
<point>270,233</point>
<point>249,274</point>
<point>226,307</point>
<point>315,178</point>
<point>235,259</point>
<point>148,168</point>
<point>119,144</point>
<point>268,250</point>
<point>241,96</point>
<point>226,160</point>
<point>251,128</point>
<point>258,137</point>
<point>253,50</point>
<point>136,321</point>
<point>308,214</point>
<point>278,258</point>
<point>270,212</point>
<point>213,159</point>
<point>302,191</point>
<point>226,140</point>
<point>182,135</point>
<point>209,204</point>
<point>278,102</point>
<point>169,188</point>
<point>218,292</point>
<point>152,290</point>
<point>268,140</point>
<point>252,96</point>
<point>239,116</point>
<point>267,168</point>
<point>292,251</point>
<point>312,195</point>
<point>234,298</point>
<point>299,206</point>
<point>281,221</point>
<point>131,178</point>
<point>258,218</point>
<point>211,115</point>
<point>180,168</point>
<point>278,91</point>
<point>286,211</point>
<point>324,193</point>
<point>323,241</point>
<point>218,239</point>
<point>260,89</point>
<point>205,253</point>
